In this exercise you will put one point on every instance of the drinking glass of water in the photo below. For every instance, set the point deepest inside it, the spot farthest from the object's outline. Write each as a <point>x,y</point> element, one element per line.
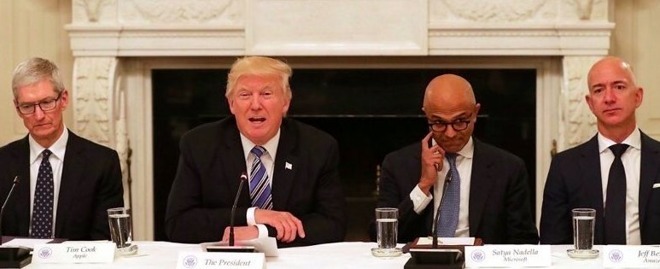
<point>386,234</point>
<point>121,230</point>
<point>584,220</point>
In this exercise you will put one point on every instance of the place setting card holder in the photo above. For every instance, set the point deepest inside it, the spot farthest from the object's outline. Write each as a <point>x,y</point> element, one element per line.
<point>425,255</point>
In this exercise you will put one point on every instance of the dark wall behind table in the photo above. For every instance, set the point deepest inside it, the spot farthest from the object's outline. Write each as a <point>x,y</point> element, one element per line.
<point>370,112</point>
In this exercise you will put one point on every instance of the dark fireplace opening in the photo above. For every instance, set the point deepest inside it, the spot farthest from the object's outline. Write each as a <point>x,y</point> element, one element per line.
<point>370,112</point>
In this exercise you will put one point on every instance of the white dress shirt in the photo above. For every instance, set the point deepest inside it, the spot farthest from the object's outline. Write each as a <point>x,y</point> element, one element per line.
<point>268,160</point>
<point>56,160</point>
<point>464,166</point>
<point>631,159</point>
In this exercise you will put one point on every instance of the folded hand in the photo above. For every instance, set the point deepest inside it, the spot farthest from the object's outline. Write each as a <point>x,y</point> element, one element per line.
<point>287,225</point>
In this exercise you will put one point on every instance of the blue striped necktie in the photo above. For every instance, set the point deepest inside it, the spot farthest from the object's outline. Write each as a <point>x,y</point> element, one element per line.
<point>259,187</point>
<point>448,220</point>
<point>42,210</point>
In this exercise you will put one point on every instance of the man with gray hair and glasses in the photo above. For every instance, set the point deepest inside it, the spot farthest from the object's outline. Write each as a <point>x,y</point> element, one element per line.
<point>65,182</point>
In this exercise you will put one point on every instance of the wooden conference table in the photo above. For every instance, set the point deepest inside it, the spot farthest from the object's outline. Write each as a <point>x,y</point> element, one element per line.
<point>159,255</point>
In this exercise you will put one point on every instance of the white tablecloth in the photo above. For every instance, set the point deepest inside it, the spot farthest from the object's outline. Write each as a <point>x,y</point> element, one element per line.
<point>337,255</point>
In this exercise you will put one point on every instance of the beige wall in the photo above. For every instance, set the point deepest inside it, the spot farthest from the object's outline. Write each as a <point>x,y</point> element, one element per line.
<point>31,28</point>
<point>36,28</point>
<point>636,39</point>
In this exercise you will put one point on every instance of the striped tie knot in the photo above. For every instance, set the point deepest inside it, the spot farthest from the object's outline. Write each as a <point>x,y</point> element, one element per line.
<point>258,151</point>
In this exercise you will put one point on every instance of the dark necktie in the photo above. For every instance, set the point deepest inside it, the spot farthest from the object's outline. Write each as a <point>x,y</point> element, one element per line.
<point>42,210</point>
<point>615,203</point>
<point>259,187</point>
<point>448,219</point>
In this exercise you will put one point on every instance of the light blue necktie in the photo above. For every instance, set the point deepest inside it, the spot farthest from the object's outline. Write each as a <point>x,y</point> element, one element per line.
<point>448,220</point>
<point>259,187</point>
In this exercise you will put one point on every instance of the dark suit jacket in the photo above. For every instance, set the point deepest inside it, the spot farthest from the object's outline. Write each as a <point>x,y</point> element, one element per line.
<point>574,180</point>
<point>207,179</point>
<point>500,212</point>
<point>91,183</point>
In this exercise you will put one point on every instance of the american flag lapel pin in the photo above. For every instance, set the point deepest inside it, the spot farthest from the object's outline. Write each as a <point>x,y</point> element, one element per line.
<point>288,166</point>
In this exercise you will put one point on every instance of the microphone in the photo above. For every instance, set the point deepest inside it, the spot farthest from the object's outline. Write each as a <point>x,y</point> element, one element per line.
<point>434,229</point>
<point>13,257</point>
<point>2,210</point>
<point>230,246</point>
<point>424,257</point>
<point>243,178</point>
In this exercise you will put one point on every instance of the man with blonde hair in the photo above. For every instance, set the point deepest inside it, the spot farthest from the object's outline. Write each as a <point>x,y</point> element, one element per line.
<point>293,192</point>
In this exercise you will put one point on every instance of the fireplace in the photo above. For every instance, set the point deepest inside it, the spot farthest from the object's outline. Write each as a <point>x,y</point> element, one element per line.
<point>118,44</point>
<point>371,112</point>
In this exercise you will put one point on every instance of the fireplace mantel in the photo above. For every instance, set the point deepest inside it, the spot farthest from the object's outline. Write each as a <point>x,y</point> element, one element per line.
<point>113,40</point>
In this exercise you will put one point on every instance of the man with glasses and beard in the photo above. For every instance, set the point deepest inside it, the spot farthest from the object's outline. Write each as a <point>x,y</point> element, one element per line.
<point>65,182</point>
<point>486,194</point>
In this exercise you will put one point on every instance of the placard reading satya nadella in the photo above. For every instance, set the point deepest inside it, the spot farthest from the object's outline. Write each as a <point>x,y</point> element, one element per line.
<point>508,256</point>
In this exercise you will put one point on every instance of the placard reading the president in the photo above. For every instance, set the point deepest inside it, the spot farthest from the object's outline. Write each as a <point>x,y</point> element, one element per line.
<point>221,260</point>
<point>508,256</point>
<point>631,256</point>
<point>74,252</point>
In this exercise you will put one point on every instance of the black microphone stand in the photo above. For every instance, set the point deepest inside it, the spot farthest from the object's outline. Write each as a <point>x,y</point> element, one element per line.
<point>231,247</point>
<point>233,209</point>
<point>434,229</point>
<point>434,257</point>
<point>12,257</point>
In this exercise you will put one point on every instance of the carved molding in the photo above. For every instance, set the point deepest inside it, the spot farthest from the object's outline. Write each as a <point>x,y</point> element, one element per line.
<point>93,80</point>
<point>128,12</point>
<point>239,27</point>
<point>495,11</point>
<point>577,122</point>
<point>177,11</point>
<point>517,11</point>
<point>94,11</point>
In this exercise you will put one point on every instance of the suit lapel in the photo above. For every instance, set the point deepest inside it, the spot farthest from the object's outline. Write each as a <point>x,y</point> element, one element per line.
<point>230,162</point>
<point>22,165</point>
<point>649,173</point>
<point>286,165</point>
<point>73,168</point>
<point>481,182</point>
<point>592,189</point>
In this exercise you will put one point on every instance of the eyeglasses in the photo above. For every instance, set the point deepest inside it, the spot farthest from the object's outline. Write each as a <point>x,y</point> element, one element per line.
<point>46,105</point>
<point>441,126</point>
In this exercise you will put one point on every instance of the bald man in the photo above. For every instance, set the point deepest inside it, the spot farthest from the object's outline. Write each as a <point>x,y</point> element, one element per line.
<point>628,204</point>
<point>487,196</point>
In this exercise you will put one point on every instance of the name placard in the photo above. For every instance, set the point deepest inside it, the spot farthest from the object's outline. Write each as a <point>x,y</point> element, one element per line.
<point>631,256</point>
<point>74,252</point>
<point>224,260</point>
<point>508,256</point>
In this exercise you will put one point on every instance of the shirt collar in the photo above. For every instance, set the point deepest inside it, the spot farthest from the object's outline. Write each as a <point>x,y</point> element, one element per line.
<point>58,148</point>
<point>467,151</point>
<point>270,146</point>
<point>634,140</point>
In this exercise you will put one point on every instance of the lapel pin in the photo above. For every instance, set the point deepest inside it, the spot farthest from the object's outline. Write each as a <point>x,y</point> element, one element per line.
<point>288,166</point>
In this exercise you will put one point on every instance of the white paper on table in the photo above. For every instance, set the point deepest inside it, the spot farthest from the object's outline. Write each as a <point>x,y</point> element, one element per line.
<point>25,242</point>
<point>447,241</point>
<point>266,245</point>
